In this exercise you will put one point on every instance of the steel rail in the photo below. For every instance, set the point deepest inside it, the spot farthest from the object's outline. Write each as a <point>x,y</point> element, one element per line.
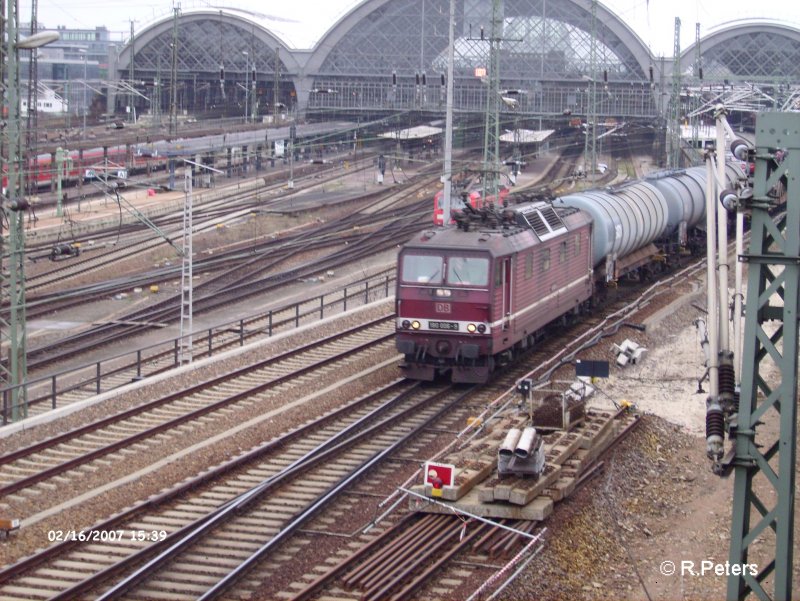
<point>168,425</point>
<point>222,470</point>
<point>188,534</point>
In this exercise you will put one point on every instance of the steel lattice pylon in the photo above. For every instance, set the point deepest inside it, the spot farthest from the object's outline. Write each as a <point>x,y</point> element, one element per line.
<point>770,342</point>
<point>13,366</point>
<point>491,135</point>
<point>674,124</point>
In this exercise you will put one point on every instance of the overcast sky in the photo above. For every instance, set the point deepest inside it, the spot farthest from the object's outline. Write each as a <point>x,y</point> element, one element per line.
<point>302,22</point>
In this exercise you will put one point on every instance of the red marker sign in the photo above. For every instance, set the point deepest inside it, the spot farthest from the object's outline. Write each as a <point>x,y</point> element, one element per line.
<point>439,475</point>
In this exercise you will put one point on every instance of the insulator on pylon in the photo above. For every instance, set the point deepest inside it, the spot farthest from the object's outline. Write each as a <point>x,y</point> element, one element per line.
<point>740,149</point>
<point>727,380</point>
<point>715,431</point>
<point>729,200</point>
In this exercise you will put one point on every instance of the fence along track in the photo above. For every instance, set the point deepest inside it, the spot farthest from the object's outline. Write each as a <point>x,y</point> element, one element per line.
<point>140,424</point>
<point>82,382</point>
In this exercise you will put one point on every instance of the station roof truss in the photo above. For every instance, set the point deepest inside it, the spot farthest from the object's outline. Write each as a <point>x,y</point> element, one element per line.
<point>208,41</point>
<point>747,51</point>
<point>391,56</point>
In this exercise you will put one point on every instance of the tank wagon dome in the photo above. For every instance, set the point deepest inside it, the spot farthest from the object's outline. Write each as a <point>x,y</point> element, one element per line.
<point>684,191</point>
<point>625,219</point>
<point>633,215</point>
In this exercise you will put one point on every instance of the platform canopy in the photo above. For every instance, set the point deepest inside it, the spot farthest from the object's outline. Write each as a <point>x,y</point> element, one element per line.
<point>412,133</point>
<point>526,136</point>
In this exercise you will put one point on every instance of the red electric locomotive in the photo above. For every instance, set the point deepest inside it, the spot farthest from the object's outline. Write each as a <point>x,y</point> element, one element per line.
<point>470,298</point>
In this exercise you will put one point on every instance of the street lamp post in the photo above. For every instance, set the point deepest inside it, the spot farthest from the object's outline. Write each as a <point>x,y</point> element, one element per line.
<point>253,98</point>
<point>85,85</point>
<point>246,85</point>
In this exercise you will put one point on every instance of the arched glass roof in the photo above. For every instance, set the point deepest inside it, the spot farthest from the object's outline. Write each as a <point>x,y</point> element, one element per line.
<point>751,51</point>
<point>540,40</point>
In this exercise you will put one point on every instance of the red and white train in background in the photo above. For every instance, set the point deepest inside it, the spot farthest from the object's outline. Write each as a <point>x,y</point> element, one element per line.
<point>88,166</point>
<point>472,193</point>
<point>474,295</point>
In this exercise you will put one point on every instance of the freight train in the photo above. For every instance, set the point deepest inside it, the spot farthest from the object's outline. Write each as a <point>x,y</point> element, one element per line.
<point>472,296</point>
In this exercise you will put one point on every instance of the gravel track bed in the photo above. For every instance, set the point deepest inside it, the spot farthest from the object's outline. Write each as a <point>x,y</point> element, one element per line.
<point>579,531</point>
<point>34,536</point>
<point>655,498</point>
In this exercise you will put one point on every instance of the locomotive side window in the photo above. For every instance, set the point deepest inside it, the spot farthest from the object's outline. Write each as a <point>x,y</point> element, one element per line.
<point>545,259</point>
<point>529,266</point>
<point>562,252</point>
<point>465,271</point>
<point>577,244</point>
<point>423,269</point>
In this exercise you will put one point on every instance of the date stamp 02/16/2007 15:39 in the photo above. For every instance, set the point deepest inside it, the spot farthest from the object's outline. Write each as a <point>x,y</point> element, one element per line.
<point>105,535</point>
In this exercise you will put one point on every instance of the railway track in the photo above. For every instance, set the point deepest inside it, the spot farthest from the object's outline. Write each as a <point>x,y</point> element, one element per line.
<point>44,466</point>
<point>353,238</point>
<point>236,517</point>
<point>234,206</point>
<point>444,556</point>
<point>80,384</point>
<point>63,573</point>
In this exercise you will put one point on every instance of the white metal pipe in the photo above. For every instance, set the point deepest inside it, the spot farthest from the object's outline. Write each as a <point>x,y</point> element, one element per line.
<point>525,446</point>
<point>510,442</point>
<point>702,330</point>
<point>711,283</point>
<point>738,298</point>
<point>722,229</point>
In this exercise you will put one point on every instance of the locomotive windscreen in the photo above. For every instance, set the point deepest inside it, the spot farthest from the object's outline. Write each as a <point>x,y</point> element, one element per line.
<point>468,271</point>
<point>453,271</point>
<point>423,269</point>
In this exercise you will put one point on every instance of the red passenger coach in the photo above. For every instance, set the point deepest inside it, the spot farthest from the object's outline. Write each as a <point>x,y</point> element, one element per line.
<point>471,296</point>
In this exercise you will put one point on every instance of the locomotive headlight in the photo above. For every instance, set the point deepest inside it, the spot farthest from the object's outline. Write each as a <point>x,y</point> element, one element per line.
<point>471,328</point>
<point>481,328</point>
<point>441,292</point>
<point>415,325</point>
<point>406,324</point>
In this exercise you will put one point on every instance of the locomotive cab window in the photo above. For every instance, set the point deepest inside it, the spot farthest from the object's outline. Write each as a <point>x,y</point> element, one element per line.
<point>423,269</point>
<point>468,271</point>
<point>529,266</point>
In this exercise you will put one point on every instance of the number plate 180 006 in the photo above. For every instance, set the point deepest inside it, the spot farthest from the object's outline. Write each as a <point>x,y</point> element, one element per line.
<point>443,325</point>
